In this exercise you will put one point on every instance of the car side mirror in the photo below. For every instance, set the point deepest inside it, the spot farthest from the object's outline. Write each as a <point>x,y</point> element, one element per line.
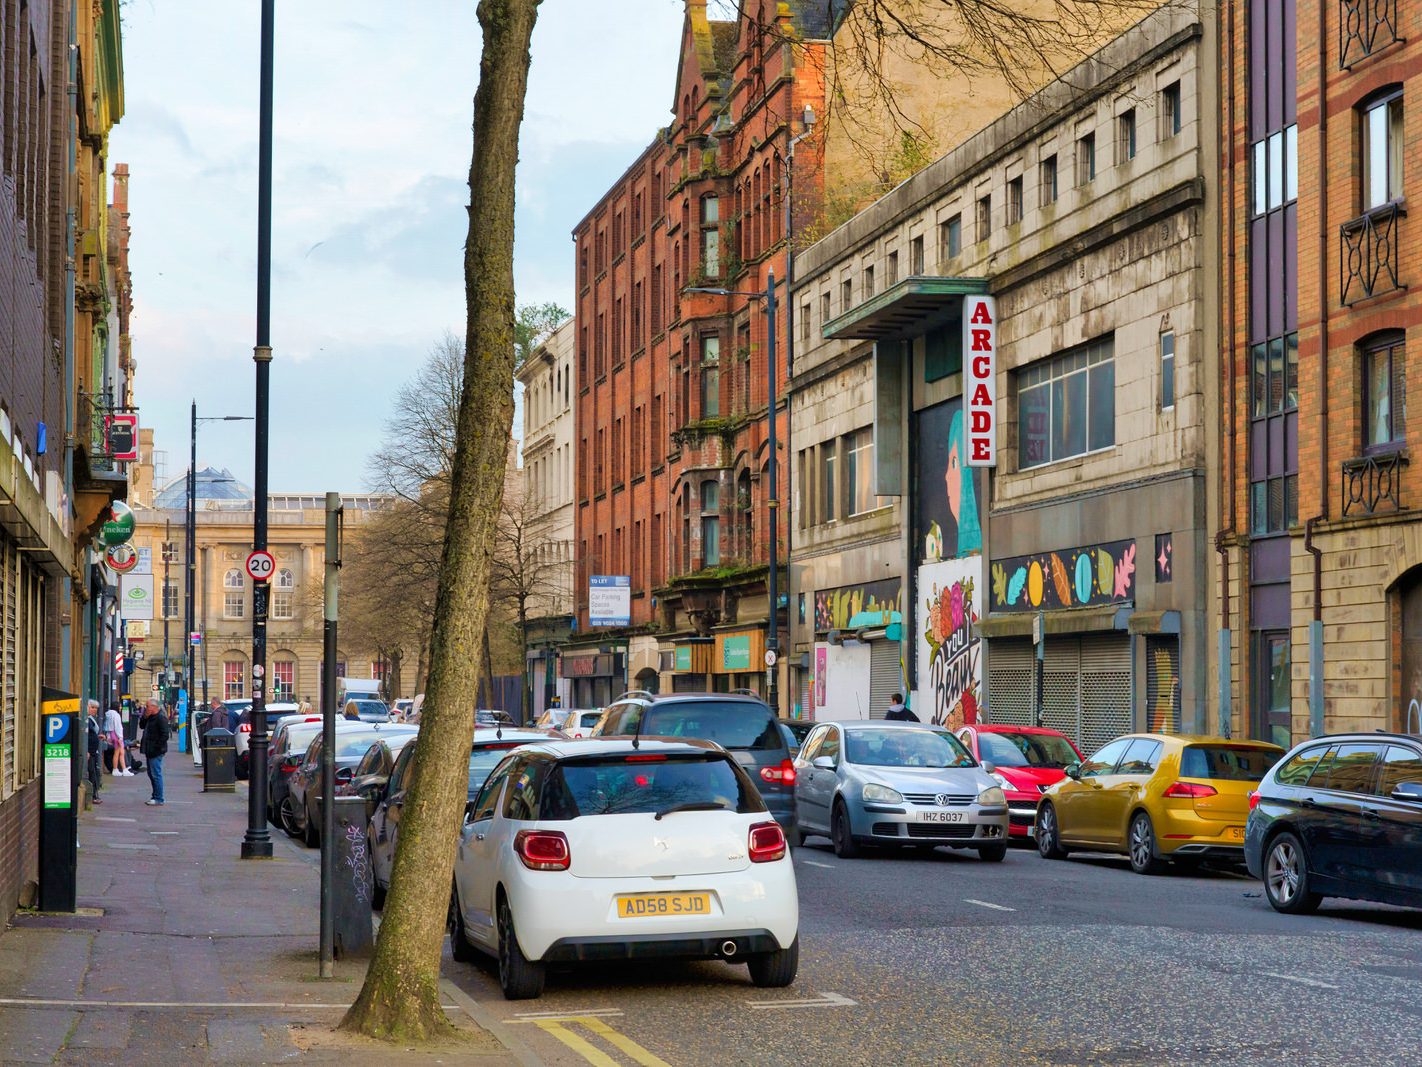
<point>823,763</point>
<point>989,767</point>
<point>1409,791</point>
<point>469,812</point>
<point>1072,770</point>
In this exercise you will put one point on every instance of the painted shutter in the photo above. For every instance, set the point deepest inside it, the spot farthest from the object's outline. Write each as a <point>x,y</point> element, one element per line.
<point>885,677</point>
<point>1163,683</point>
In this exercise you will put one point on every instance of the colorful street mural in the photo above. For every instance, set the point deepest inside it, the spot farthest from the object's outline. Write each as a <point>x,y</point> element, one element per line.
<point>1072,578</point>
<point>949,649</point>
<point>834,608</point>
<point>948,526</point>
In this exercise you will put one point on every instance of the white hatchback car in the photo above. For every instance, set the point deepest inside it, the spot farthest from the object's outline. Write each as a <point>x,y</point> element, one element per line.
<point>622,849</point>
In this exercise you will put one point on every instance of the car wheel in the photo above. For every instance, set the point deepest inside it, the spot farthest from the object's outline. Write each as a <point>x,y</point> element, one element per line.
<point>796,837</point>
<point>1141,842</point>
<point>1049,839</point>
<point>311,835</point>
<point>842,834</point>
<point>994,853</point>
<point>519,977</point>
<point>1286,877</point>
<point>243,766</point>
<point>776,969</point>
<point>459,946</point>
<point>288,817</point>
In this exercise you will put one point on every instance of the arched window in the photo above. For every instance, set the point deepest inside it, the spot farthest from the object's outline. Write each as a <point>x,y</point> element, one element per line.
<point>234,597</point>
<point>284,594</point>
<point>711,236</point>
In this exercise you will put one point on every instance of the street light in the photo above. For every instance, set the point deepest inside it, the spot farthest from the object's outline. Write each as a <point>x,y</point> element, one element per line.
<point>772,628</point>
<point>190,539</point>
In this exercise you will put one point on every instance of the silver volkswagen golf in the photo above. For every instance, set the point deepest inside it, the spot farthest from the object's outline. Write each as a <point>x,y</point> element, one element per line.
<point>896,783</point>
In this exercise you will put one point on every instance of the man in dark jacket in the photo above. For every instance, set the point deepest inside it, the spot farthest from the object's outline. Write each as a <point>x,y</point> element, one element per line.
<point>898,712</point>
<point>94,755</point>
<point>154,746</point>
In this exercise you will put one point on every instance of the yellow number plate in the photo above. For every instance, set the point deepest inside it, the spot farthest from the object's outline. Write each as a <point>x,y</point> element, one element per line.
<point>640,905</point>
<point>1235,833</point>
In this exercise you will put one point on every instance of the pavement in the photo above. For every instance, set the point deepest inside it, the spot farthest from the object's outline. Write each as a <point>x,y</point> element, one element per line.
<point>183,953</point>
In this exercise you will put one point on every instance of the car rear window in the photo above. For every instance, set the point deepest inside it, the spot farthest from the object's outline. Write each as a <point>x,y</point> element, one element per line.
<point>1229,763</point>
<point>298,737</point>
<point>590,719</point>
<point>730,725</point>
<point>645,783</point>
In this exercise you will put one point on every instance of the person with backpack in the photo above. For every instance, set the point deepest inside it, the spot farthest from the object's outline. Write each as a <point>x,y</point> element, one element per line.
<point>154,746</point>
<point>898,712</point>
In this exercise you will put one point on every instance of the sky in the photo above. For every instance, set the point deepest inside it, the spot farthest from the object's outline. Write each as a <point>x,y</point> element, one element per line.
<point>373,105</point>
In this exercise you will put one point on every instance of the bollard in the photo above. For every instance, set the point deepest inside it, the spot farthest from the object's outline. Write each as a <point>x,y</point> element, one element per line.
<point>352,882</point>
<point>219,765</point>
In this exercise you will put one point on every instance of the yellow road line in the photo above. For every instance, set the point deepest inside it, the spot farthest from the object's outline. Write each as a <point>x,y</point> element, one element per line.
<point>625,1043</point>
<point>578,1044</point>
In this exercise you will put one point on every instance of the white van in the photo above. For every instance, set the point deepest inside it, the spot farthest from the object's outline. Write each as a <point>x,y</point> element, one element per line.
<point>356,689</point>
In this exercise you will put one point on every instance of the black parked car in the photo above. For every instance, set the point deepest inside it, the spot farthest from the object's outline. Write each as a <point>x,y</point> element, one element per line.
<point>743,725</point>
<point>372,773</point>
<point>1340,817</point>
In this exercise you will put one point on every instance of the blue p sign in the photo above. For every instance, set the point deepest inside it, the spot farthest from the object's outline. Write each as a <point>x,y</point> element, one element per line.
<point>55,727</point>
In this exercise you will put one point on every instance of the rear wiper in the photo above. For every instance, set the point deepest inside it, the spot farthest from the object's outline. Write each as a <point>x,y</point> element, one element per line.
<point>696,805</point>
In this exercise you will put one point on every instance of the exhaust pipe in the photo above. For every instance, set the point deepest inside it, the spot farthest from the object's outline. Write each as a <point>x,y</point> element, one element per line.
<point>728,949</point>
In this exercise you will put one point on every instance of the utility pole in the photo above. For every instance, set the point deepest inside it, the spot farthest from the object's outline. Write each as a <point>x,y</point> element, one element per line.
<point>168,554</point>
<point>258,842</point>
<point>328,732</point>
<point>190,566</point>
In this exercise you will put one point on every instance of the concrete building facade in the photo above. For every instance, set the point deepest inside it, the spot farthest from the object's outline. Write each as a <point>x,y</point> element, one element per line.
<point>547,508</point>
<point>1085,215</point>
<point>1319,591</point>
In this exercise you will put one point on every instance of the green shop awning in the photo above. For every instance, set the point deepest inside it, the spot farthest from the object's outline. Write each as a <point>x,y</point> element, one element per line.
<point>906,309</point>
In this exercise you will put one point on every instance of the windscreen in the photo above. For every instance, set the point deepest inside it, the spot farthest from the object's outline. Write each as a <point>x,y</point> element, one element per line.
<point>731,725</point>
<point>1229,763</point>
<point>646,784</point>
<point>355,745</point>
<point>890,747</point>
<point>483,760</point>
<point>1026,750</point>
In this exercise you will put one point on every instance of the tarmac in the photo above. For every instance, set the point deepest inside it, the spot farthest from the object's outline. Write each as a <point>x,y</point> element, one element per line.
<point>183,953</point>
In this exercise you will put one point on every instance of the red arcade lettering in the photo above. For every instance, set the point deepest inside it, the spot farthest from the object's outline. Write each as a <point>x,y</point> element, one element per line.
<point>982,314</point>
<point>980,389</point>
<point>982,341</point>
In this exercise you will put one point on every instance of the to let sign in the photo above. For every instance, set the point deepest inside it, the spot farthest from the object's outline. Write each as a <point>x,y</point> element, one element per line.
<point>980,403</point>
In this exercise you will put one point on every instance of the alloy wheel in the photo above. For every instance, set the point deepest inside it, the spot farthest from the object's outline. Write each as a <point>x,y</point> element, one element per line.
<point>288,817</point>
<point>1282,873</point>
<point>1140,842</point>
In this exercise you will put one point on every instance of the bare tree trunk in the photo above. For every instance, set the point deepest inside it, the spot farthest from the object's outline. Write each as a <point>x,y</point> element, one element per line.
<point>400,999</point>
<point>525,698</point>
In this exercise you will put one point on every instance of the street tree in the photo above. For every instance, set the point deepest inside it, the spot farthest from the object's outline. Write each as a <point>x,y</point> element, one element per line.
<point>532,326</point>
<point>400,999</point>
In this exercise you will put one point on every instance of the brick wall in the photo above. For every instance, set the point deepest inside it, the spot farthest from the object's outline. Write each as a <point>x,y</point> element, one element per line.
<point>19,844</point>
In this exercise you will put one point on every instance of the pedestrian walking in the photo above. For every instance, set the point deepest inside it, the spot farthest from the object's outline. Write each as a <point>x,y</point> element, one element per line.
<point>94,761</point>
<point>113,727</point>
<point>898,712</point>
<point>154,746</point>
<point>219,719</point>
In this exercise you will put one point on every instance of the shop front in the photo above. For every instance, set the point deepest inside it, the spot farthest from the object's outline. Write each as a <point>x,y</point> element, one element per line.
<point>597,678</point>
<point>857,658</point>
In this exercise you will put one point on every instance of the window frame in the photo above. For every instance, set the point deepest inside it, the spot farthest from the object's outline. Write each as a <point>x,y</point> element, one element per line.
<point>1394,344</point>
<point>1086,158</point>
<point>1394,148</point>
<point>710,515</point>
<point>859,447</point>
<point>1047,177</point>
<point>1044,375</point>
<point>1127,130</point>
<point>1167,369</point>
<point>1170,117</point>
<point>982,218</point>
<point>1015,206</point>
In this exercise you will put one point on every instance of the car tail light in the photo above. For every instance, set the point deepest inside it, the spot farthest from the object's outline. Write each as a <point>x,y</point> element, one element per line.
<point>543,850</point>
<point>767,842</point>
<point>782,775</point>
<point>645,757</point>
<point>1190,789</point>
<point>245,728</point>
<point>1253,799</point>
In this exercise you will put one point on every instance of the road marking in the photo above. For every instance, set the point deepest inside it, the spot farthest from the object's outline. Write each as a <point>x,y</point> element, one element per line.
<point>84,1005</point>
<point>563,1016</point>
<point>826,866</point>
<point>1299,979</point>
<point>113,818</point>
<point>824,1000</point>
<point>134,848</point>
<point>985,904</point>
<point>164,833</point>
<point>590,1052</point>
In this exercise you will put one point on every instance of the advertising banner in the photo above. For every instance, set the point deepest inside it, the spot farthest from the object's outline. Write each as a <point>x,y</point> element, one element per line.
<point>609,600</point>
<point>136,596</point>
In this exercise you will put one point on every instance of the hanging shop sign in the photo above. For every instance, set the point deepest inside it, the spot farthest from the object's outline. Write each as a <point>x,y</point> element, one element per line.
<point>742,650</point>
<point>980,386</point>
<point>118,528</point>
<point>121,558</point>
<point>1071,578</point>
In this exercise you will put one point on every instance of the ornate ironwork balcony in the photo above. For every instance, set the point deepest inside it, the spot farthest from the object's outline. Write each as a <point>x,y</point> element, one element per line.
<point>1364,27</point>
<point>1373,484</point>
<point>1369,258</point>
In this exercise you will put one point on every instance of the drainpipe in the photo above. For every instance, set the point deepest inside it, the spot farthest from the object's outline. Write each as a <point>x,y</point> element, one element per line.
<point>1227,302</point>
<point>1315,626</point>
<point>66,595</point>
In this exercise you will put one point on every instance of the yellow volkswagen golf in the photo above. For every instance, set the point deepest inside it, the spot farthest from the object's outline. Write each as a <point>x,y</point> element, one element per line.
<point>1156,797</point>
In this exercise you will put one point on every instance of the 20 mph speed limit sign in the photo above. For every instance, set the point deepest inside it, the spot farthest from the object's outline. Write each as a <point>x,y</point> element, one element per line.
<point>260,565</point>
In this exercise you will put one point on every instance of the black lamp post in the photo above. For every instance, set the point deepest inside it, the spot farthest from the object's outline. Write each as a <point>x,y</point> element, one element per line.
<point>257,844</point>
<point>772,627</point>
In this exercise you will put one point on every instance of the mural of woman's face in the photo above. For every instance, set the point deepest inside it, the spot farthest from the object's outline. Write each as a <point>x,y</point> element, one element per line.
<point>953,482</point>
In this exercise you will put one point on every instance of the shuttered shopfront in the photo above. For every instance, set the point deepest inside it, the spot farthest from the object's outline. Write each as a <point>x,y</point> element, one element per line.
<point>22,606</point>
<point>885,677</point>
<point>1086,685</point>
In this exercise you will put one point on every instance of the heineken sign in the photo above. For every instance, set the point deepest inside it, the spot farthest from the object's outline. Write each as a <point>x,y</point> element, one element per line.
<point>118,529</point>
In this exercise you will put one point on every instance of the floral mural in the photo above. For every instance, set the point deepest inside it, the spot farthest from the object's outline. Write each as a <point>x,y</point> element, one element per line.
<point>1071,578</point>
<point>949,650</point>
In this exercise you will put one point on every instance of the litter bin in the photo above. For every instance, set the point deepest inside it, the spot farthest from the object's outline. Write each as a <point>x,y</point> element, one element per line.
<point>352,885</point>
<point>219,764</point>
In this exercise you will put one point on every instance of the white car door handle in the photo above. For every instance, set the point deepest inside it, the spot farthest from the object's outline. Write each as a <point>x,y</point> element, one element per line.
<point>478,837</point>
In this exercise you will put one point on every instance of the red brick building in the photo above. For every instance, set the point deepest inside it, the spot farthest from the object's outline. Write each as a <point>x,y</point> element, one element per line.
<point>672,385</point>
<point>1319,570</point>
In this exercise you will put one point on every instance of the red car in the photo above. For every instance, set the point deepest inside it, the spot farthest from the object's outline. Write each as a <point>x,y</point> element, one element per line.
<point>1026,761</point>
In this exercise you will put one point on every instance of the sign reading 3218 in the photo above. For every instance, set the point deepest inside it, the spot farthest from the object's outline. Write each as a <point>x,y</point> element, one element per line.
<point>980,392</point>
<point>260,565</point>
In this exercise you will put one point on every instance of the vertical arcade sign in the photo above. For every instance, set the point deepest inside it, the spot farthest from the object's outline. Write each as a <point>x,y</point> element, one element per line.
<point>980,392</point>
<point>59,816</point>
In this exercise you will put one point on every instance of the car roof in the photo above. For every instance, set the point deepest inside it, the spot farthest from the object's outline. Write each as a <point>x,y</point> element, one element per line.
<point>491,736</point>
<point>1374,735</point>
<point>1202,739</point>
<point>893,724</point>
<point>1009,727</point>
<point>626,746</point>
<point>661,698</point>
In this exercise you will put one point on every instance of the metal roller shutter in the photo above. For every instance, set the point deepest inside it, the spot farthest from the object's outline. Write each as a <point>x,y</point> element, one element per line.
<point>1011,681</point>
<point>1105,689</point>
<point>807,711</point>
<point>1163,683</point>
<point>885,677</point>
